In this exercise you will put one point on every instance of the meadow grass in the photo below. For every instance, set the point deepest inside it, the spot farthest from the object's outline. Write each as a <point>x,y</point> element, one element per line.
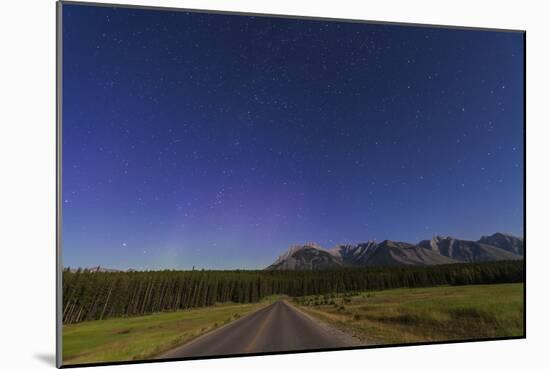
<point>146,336</point>
<point>423,314</point>
<point>376,317</point>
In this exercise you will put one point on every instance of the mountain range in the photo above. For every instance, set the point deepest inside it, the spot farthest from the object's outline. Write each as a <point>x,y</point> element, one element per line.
<point>438,250</point>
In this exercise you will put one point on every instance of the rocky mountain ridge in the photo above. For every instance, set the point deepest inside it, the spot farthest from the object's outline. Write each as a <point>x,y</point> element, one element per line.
<point>438,250</point>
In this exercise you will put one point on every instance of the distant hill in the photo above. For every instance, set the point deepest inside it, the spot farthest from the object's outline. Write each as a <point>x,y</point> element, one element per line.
<point>438,250</point>
<point>97,269</point>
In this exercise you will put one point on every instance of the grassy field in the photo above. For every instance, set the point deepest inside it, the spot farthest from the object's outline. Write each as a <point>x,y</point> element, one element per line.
<point>145,336</point>
<point>423,314</point>
<point>381,317</point>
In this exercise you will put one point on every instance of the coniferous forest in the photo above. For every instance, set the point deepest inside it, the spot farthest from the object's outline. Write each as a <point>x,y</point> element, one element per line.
<point>89,295</point>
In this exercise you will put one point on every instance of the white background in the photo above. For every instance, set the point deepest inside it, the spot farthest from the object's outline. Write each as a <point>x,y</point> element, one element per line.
<point>27,183</point>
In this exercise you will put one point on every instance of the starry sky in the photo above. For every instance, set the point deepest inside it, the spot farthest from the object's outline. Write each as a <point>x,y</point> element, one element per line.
<point>217,141</point>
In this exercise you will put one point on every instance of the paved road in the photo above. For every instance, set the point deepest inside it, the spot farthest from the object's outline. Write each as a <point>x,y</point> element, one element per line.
<point>277,327</point>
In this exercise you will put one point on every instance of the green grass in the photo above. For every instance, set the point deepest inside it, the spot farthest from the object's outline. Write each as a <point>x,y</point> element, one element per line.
<point>423,314</point>
<point>381,317</point>
<point>145,336</point>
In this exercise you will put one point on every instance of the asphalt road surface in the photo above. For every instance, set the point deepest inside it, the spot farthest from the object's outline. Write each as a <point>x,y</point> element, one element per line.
<point>277,327</point>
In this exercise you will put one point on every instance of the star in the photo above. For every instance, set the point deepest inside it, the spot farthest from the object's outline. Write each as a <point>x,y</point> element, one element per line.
<point>279,131</point>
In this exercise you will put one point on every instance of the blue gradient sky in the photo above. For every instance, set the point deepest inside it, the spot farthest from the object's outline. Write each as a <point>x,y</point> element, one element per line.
<point>218,141</point>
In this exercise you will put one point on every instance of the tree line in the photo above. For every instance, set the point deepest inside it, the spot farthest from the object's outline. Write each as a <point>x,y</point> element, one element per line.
<point>89,295</point>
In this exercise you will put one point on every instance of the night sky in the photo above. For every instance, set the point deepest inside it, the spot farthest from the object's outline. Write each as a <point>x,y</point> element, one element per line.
<point>219,140</point>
